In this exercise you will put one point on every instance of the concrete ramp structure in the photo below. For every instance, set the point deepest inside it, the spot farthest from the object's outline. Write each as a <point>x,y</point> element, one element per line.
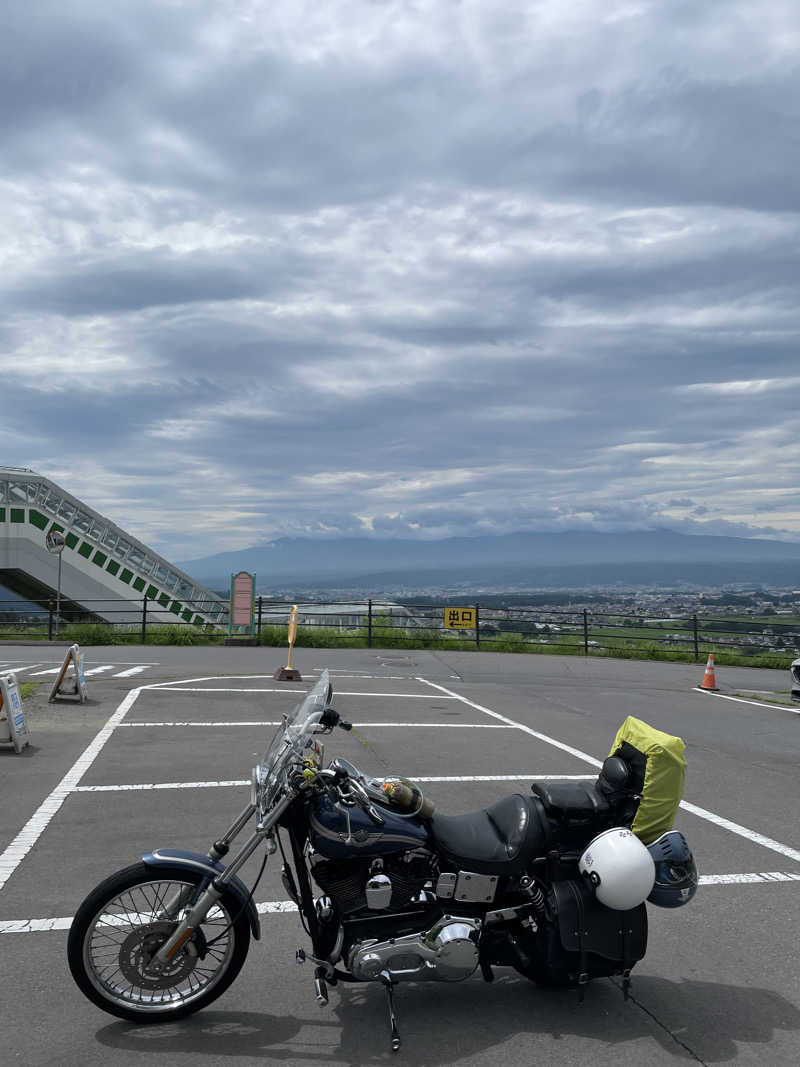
<point>105,571</point>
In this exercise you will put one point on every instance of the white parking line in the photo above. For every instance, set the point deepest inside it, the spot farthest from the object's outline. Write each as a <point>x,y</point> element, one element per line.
<point>99,670</point>
<point>16,852</point>
<point>735,828</point>
<point>746,879</point>
<point>365,677</point>
<point>289,689</point>
<point>356,725</point>
<point>283,907</point>
<point>168,687</point>
<point>19,669</point>
<point>141,786</point>
<point>755,703</point>
<point>520,726</point>
<point>718,820</point>
<point>132,670</point>
<point>53,670</point>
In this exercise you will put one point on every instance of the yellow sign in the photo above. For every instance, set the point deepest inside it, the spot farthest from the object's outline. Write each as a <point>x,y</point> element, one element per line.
<point>459,618</point>
<point>292,634</point>
<point>293,624</point>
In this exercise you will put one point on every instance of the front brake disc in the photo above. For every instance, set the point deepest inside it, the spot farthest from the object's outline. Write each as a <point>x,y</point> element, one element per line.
<point>138,949</point>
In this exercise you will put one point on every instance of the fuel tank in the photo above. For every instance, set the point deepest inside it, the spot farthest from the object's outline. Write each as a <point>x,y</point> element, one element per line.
<point>328,831</point>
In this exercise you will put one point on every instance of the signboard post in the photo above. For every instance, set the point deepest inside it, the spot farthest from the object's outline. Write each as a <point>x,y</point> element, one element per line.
<point>242,604</point>
<point>74,684</point>
<point>290,673</point>
<point>13,727</point>
<point>55,542</point>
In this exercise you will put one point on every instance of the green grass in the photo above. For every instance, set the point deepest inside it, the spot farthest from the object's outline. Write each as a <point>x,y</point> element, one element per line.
<point>624,642</point>
<point>765,698</point>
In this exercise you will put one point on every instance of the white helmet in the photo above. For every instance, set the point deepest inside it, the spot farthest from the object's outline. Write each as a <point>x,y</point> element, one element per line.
<point>620,868</point>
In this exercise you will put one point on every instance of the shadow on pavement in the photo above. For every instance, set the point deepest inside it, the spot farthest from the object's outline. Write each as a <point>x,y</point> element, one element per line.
<point>448,1023</point>
<point>711,1018</point>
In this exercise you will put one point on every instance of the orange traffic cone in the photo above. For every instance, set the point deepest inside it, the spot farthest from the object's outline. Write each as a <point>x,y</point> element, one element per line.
<point>709,681</point>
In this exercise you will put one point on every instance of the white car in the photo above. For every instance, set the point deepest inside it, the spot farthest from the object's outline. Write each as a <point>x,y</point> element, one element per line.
<point>795,669</point>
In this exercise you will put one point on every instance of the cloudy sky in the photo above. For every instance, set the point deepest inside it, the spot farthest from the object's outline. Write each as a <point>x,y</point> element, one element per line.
<point>403,268</point>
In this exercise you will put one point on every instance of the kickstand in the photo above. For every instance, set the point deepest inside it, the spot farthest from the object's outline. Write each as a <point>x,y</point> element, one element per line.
<point>388,985</point>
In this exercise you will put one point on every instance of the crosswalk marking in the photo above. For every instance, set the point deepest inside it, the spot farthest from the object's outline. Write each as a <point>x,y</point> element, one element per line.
<point>94,670</point>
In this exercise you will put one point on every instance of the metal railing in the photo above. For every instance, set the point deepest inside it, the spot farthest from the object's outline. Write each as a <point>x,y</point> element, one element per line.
<point>376,623</point>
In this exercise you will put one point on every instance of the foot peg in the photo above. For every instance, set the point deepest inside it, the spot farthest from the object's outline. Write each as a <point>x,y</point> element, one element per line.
<point>320,988</point>
<point>320,985</point>
<point>388,985</point>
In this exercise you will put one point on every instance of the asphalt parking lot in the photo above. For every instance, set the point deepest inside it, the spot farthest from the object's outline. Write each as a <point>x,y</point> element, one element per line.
<point>161,758</point>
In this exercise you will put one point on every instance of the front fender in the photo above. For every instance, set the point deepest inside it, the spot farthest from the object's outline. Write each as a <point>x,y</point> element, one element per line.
<point>196,861</point>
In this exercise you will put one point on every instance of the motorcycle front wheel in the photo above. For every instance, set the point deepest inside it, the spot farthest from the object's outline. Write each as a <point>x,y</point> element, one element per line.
<point>127,918</point>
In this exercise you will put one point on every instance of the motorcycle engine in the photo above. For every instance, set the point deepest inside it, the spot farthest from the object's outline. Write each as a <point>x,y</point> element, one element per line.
<point>391,882</point>
<point>448,952</point>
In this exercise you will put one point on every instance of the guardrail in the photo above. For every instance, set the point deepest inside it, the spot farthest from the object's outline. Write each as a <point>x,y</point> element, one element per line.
<point>376,623</point>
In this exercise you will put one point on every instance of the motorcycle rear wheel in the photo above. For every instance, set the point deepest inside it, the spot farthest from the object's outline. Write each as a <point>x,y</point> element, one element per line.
<point>119,927</point>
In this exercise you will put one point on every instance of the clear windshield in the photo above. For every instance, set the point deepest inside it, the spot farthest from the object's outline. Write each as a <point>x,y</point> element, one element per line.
<point>298,728</point>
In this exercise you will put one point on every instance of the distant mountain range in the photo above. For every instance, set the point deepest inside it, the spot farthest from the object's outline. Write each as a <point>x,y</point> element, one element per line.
<point>555,560</point>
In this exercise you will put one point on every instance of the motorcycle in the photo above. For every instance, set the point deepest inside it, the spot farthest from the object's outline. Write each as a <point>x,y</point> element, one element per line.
<point>552,884</point>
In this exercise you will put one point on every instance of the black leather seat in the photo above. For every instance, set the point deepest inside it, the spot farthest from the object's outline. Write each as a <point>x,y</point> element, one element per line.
<point>502,839</point>
<point>573,803</point>
<point>577,812</point>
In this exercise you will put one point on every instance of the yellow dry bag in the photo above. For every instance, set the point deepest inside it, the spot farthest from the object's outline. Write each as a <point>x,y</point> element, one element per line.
<point>659,771</point>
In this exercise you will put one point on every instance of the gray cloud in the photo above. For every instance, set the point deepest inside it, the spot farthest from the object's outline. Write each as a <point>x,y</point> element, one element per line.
<point>407,269</point>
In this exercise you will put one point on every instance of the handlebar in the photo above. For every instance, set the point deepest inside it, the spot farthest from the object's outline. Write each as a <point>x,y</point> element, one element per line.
<point>362,798</point>
<point>331,717</point>
<point>350,789</point>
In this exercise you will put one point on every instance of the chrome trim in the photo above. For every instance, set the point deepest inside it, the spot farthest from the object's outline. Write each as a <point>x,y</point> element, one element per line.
<point>476,888</point>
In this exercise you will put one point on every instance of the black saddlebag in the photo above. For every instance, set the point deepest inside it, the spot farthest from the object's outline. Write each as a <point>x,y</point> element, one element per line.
<point>587,940</point>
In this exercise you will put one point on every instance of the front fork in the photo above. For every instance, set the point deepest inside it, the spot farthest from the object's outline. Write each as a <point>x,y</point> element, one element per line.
<point>213,892</point>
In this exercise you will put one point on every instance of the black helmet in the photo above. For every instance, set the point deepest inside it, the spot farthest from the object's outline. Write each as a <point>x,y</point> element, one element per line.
<point>676,871</point>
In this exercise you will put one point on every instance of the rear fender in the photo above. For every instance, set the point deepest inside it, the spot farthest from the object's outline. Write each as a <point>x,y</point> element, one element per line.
<point>196,861</point>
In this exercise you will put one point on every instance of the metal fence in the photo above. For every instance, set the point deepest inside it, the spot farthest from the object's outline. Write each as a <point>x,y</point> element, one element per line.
<point>376,623</point>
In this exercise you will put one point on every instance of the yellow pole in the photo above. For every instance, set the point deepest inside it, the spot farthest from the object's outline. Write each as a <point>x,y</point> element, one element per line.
<point>292,633</point>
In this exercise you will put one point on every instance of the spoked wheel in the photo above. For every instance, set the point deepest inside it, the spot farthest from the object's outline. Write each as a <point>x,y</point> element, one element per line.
<point>123,923</point>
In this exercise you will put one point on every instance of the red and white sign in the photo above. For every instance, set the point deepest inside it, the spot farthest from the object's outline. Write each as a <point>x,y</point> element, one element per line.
<point>54,542</point>
<point>242,592</point>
